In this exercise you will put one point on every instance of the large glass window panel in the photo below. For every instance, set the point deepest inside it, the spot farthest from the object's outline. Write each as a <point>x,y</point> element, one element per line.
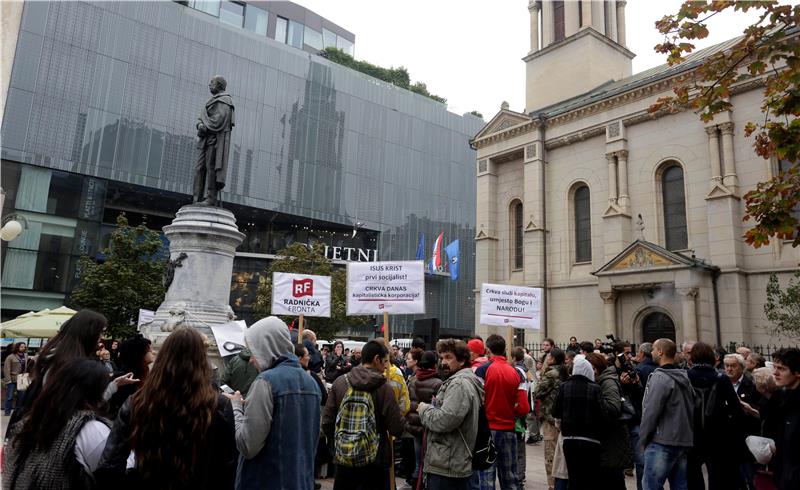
<point>328,39</point>
<point>255,20</point>
<point>207,6</point>
<point>295,36</point>
<point>232,13</point>
<point>344,45</point>
<point>674,199</point>
<point>281,27</point>
<point>63,198</point>
<point>313,38</point>
<point>583,225</point>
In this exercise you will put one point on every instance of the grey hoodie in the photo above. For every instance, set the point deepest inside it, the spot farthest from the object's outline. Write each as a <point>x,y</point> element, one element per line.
<point>451,425</point>
<point>668,408</point>
<point>267,339</point>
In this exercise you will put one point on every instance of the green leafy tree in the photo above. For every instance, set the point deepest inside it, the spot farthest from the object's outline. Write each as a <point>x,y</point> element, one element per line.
<point>768,51</point>
<point>131,277</point>
<point>299,259</point>
<point>396,76</point>
<point>476,114</point>
<point>783,306</point>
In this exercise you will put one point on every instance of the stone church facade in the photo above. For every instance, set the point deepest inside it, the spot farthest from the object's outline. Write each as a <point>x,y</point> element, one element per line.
<point>630,221</point>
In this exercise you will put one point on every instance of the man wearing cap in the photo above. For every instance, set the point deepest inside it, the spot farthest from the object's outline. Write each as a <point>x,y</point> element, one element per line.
<point>282,415</point>
<point>477,353</point>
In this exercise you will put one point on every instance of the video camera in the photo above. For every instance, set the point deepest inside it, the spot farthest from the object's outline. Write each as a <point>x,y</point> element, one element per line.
<point>607,347</point>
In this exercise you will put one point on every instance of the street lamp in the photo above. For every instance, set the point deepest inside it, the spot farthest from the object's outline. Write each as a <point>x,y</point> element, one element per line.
<point>13,224</point>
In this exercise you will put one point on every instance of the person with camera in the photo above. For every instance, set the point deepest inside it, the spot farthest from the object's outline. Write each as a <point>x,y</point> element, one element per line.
<point>632,394</point>
<point>616,454</point>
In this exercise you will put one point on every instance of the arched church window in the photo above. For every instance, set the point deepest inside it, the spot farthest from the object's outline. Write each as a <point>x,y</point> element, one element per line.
<point>558,21</point>
<point>784,166</point>
<point>516,232</point>
<point>674,203</point>
<point>583,225</point>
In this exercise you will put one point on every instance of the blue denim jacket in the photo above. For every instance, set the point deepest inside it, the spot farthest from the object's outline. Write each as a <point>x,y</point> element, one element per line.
<point>286,461</point>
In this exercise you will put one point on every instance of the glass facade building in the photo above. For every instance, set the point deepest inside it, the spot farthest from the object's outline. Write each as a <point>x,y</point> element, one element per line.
<point>100,118</point>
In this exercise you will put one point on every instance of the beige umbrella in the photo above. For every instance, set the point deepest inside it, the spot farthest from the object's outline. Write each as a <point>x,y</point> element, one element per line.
<point>42,324</point>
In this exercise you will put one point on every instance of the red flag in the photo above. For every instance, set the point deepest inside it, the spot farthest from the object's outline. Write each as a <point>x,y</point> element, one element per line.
<point>291,325</point>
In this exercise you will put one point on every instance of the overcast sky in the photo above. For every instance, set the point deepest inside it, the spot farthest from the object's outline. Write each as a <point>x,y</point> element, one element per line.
<point>470,51</point>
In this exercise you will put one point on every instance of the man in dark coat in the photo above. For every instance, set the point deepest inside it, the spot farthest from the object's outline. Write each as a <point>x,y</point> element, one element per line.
<point>782,423</point>
<point>214,141</point>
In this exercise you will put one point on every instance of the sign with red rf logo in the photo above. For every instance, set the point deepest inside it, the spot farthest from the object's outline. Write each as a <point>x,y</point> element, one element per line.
<point>301,294</point>
<point>302,287</point>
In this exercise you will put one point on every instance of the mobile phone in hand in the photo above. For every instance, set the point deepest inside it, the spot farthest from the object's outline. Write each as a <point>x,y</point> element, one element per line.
<point>227,389</point>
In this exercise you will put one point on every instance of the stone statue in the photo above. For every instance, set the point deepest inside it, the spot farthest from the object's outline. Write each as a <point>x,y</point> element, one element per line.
<point>640,226</point>
<point>214,142</point>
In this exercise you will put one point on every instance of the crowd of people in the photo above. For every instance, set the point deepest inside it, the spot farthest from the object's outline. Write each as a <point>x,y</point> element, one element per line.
<point>281,411</point>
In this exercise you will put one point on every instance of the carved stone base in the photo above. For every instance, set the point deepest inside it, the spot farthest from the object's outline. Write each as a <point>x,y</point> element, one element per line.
<point>203,242</point>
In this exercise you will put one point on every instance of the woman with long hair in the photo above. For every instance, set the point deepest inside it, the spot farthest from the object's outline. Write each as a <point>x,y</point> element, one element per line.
<point>61,438</point>
<point>135,356</point>
<point>76,339</point>
<point>179,427</point>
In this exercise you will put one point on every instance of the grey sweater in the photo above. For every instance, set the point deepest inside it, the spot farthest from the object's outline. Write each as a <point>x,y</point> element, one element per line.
<point>668,408</point>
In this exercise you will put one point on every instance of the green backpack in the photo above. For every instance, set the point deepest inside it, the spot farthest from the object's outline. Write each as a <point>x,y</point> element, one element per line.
<point>356,437</point>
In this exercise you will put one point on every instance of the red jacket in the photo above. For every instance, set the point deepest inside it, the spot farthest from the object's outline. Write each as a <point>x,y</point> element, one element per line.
<point>505,395</point>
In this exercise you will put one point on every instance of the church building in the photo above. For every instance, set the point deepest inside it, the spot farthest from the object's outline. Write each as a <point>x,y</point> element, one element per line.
<point>630,221</point>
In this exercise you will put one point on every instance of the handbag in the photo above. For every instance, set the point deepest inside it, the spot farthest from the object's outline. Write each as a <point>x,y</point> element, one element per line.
<point>23,381</point>
<point>627,411</point>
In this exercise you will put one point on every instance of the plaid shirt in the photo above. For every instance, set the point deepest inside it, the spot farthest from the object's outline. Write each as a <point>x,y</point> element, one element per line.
<point>578,406</point>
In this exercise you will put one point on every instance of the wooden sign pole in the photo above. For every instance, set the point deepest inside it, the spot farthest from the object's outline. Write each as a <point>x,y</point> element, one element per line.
<point>510,341</point>
<point>386,338</point>
<point>300,330</point>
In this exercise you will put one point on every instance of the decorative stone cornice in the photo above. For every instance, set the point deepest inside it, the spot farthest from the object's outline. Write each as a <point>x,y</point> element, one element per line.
<point>507,133</point>
<point>726,128</point>
<point>571,138</point>
<point>608,296</point>
<point>659,86</point>
<point>621,154</point>
<point>688,292</point>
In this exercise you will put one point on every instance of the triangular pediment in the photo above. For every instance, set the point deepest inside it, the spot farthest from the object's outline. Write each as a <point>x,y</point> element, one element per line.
<point>501,121</point>
<point>642,255</point>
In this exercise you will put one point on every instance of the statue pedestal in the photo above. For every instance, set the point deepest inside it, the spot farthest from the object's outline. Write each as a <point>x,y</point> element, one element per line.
<point>202,244</point>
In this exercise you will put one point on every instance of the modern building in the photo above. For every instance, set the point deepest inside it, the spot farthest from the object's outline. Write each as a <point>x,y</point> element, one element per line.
<point>99,114</point>
<point>630,221</point>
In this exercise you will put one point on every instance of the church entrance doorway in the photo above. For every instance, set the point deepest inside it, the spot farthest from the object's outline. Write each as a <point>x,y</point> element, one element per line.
<point>657,325</point>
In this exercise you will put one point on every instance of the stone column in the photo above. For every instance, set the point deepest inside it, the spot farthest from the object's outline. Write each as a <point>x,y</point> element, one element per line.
<point>533,8</point>
<point>586,13</point>
<point>610,311</point>
<point>612,177</point>
<point>621,22</point>
<point>730,179</point>
<point>622,160</point>
<point>571,18</point>
<point>689,313</point>
<point>713,154</point>
<point>548,30</point>
<point>611,11</point>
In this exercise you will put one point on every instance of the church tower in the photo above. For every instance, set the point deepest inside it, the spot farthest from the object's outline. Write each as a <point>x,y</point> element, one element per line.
<point>576,45</point>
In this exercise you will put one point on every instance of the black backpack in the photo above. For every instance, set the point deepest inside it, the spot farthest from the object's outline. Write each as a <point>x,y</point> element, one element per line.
<point>484,454</point>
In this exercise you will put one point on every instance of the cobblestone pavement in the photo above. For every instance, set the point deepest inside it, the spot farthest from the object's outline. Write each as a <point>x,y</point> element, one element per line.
<point>536,478</point>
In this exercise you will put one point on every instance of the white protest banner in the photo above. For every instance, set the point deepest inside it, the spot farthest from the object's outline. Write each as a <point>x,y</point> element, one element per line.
<point>145,317</point>
<point>511,306</point>
<point>229,337</point>
<point>301,294</point>
<point>385,287</point>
